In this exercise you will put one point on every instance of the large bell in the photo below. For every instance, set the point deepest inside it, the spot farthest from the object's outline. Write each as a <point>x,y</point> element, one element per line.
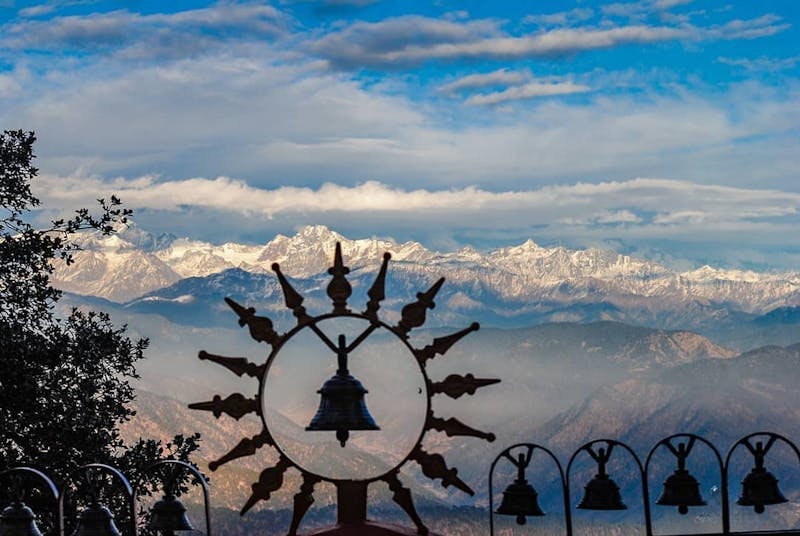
<point>760,488</point>
<point>169,516</point>
<point>342,406</point>
<point>681,489</point>
<point>602,493</point>
<point>18,520</point>
<point>96,520</point>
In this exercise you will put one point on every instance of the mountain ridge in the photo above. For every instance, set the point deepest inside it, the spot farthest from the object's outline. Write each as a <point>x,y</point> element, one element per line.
<point>514,285</point>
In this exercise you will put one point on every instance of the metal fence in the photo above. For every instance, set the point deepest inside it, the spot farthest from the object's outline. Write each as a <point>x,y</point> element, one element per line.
<point>681,490</point>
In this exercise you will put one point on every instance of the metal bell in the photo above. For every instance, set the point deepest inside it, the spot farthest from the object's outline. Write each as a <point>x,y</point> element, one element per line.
<point>96,520</point>
<point>342,406</point>
<point>520,500</point>
<point>169,516</point>
<point>602,493</point>
<point>18,520</point>
<point>760,488</point>
<point>681,489</point>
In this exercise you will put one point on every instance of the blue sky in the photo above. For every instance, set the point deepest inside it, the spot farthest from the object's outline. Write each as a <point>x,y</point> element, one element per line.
<point>662,128</point>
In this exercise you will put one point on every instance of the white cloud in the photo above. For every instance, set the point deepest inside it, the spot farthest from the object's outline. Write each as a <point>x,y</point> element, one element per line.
<point>562,18</point>
<point>528,91</point>
<point>644,7</point>
<point>120,29</point>
<point>245,114</point>
<point>404,41</point>
<point>478,80</point>
<point>699,221</point>
<point>611,202</point>
<point>761,63</point>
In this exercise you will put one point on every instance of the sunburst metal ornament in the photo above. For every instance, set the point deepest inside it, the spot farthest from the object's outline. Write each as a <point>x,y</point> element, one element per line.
<point>342,407</point>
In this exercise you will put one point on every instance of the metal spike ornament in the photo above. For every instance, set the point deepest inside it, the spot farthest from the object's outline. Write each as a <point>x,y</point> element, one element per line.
<point>342,407</point>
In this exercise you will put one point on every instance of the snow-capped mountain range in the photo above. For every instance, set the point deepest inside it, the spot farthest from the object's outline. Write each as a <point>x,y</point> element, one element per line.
<point>133,263</point>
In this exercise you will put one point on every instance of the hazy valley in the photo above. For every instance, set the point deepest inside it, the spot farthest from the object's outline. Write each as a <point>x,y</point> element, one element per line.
<point>587,344</point>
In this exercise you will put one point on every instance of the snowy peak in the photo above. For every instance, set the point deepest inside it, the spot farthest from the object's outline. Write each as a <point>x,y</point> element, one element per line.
<point>123,266</point>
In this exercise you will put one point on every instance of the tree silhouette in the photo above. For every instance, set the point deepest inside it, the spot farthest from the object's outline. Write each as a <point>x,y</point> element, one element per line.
<point>64,381</point>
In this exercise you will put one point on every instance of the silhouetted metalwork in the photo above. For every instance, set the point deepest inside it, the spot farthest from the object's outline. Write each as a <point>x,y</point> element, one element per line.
<point>96,519</point>
<point>520,498</point>
<point>681,489</point>
<point>601,492</point>
<point>760,487</point>
<point>168,515</point>
<point>342,408</point>
<point>17,519</point>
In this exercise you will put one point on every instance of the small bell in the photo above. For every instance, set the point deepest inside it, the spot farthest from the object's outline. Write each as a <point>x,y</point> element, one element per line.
<point>96,520</point>
<point>342,407</point>
<point>169,516</point>
<point>519,498</point>
<point>602,493</point>
<point>760,487</point>
<point>681,489</point>
<point>17,519</point>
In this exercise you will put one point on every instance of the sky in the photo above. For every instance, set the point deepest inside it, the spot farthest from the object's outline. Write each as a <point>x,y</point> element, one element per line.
<point>668,129</point>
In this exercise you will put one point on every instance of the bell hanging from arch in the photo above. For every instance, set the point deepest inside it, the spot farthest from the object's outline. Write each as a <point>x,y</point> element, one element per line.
<point>342,407</point>
<point>602,493</point>
<point>168,516</point>
<point>681,489</point>
<point>519,498</point>
<point>17,519</point>
<point>96,520</point>
<point>760,488</point>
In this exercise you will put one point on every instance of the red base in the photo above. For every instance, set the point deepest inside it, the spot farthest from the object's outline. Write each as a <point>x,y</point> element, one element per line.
<point>366,529</point>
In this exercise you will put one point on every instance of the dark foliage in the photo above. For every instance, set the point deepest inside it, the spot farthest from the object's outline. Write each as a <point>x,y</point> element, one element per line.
<point>64,382</point>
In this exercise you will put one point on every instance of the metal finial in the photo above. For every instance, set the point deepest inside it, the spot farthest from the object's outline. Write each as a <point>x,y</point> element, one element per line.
<point>442,344</point>
<point>413,314</point>
<point>456,385</point>
<point>377,293</point>
<point>260,326</point>
<point>293,299</point>
<point>339,288</point>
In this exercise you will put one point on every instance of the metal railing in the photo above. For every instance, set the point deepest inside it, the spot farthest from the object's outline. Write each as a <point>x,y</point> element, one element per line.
<point>166,517</point>
<point>681,489</point>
